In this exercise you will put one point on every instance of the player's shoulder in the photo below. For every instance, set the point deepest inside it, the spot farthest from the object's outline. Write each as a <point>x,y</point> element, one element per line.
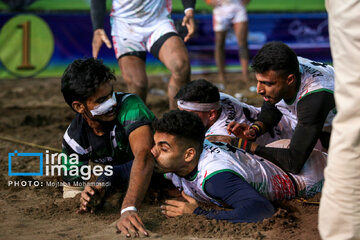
<point>227,99</point>
<point>229,103</point>
<point>224,96</point>
<point>75,135</point>
<point>213,152</point>
<point>311,66</point>
<point>215,160</point>
<point>76,127</point>
<point>132,112</point>
<point>128,101</point>
<point>124,98</point>
<point>234,108</point>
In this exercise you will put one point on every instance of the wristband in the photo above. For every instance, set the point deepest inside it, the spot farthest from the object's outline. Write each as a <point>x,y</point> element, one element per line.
<point>131,208</point>
<point>188,9</point>
<point>245,145</point>
<point>257,129</point>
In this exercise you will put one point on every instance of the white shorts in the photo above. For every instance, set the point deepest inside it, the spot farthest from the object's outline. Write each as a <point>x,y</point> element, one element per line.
<point>227,14</point>
<point>310,180</point>
<point>128,38</point>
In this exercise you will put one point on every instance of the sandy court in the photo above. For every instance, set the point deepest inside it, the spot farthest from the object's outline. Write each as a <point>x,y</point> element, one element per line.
<point>33,110</point>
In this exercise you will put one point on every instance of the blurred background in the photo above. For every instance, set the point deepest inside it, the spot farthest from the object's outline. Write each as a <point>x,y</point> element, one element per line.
<point>39,38</point>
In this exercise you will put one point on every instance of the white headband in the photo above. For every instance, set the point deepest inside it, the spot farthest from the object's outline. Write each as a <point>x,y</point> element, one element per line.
<point>201,107</point>
<point>104,107</point>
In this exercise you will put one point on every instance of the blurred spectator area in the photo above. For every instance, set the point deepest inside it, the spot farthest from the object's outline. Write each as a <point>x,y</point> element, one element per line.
<point>201,6</point>
<point>300,24</point>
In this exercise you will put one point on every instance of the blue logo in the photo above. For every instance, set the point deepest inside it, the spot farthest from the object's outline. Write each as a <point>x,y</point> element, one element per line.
<point>16,154</point>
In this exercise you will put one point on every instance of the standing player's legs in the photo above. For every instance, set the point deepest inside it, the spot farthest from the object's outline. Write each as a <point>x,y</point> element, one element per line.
<point>222,16</point>
<point>133,72</point>
<point>241,32</point>
<point>173,54</point>
<point>220,53</point>
<point>339,212</point>
<point>130,50</point>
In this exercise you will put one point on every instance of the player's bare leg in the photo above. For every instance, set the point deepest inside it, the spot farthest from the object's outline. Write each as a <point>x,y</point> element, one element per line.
<point>174,55</point>
<point>220,54</point>
<point>241,32</point>
<point>134,74</point>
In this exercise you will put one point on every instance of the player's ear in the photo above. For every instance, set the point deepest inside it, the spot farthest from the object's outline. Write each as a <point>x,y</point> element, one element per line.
<point>78,106</point>
<point>212,115</point>
<point>291,79</point>
<point>190,154</point>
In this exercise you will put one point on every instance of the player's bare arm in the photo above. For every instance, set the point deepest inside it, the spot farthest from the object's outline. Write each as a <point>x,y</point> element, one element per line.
<point>188,20</point>
<point>141,142</point>
<point>189,23</point>
<point>97,12</point>
<point>219,138</point>
<point>99,37</point>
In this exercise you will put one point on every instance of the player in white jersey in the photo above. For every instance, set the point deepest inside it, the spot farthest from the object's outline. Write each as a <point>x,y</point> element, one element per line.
<point>227,13</point>
<point>315,77</point>
<point>222,174</point>
<point>140,26</point>
<point>217,110</point>
<point>299,86</point>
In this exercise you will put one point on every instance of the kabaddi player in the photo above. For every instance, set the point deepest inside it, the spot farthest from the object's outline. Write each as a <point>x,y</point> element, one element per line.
<point>217,110</point>
<point>110,128</point>
<point>227,13</point>
<point>300,86</point>
<point>224,175</point>
<point>140,26</point>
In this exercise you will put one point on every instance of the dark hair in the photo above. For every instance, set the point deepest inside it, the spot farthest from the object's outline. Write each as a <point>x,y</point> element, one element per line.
<point>276,56</point>
<point>82,77</point>
<point>200,91</point>
<point>182,124</point>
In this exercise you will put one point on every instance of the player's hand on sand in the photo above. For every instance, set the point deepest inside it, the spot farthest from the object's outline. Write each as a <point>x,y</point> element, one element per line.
<point>173,208</point>
<point>241,130</point>
<point>130,225</point>
<point>99,37</point>
<point>189,22</point>
<point>90,198</point>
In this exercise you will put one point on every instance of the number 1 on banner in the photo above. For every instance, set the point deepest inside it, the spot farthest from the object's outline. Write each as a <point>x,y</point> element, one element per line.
<point>25,47</point>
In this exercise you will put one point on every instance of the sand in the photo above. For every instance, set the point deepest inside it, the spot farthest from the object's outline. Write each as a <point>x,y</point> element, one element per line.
<point>33,110</point>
